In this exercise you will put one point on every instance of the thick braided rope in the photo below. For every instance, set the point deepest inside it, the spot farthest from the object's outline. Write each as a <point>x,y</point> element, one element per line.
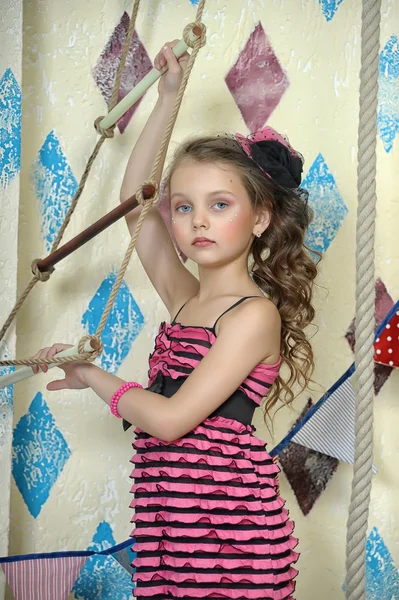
<point>365,303</point>
<point>44,276</point>
<point>162,148</point>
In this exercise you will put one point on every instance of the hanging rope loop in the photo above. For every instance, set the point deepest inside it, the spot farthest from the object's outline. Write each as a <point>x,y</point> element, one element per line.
<point>197,29</point>
<point>155,196</point>
<point>41,275</point>
<point>95,343</point>
<point>107,133</point>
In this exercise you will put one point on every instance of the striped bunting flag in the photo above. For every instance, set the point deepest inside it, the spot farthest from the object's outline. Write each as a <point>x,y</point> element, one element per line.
<point>52,575</point>
<point>43,578</point>
<point>331,430</point>
<point>324,435</point>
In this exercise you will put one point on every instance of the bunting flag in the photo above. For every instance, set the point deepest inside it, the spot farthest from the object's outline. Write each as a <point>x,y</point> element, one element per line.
<point>327,432</point>
<point>386,345</point>
<point>332,428</point>
<point>50,578</point>
<point>125,557</point>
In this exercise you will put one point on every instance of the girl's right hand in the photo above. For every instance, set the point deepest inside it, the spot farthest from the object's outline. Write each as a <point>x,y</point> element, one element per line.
<point>74,371</point>
<point>170,81</point>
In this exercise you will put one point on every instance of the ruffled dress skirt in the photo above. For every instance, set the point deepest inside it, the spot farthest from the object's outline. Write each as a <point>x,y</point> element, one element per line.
<point>208,518</point>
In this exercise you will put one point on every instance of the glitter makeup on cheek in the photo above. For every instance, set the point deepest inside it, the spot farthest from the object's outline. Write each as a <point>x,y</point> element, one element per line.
<point>233,227</point>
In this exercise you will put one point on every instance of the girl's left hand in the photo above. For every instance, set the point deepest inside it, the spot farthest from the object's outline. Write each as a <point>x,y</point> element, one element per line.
<point>74,371</point>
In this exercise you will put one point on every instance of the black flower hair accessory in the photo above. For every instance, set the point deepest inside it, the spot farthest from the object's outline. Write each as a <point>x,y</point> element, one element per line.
<point>272,153</point>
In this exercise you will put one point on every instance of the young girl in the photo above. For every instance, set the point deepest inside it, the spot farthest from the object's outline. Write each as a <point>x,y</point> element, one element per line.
<point>209,522</point>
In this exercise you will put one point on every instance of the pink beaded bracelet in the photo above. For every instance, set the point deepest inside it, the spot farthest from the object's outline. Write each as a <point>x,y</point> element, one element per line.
<point>118,394</point>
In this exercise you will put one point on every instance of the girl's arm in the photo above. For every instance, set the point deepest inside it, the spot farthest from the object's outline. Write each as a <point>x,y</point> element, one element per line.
<point>173,282</point>
<point>244,340</point>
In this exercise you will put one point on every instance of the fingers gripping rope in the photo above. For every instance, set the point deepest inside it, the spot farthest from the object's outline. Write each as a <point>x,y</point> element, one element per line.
<point>95,343</point>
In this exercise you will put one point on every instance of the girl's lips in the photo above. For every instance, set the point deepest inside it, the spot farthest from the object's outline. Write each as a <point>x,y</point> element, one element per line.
<point>202,242</point>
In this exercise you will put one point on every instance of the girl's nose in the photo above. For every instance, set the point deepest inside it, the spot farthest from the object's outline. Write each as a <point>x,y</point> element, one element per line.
<point>199,220</point>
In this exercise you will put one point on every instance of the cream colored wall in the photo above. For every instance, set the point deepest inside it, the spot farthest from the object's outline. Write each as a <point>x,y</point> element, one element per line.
<point>10,76</point>
<point>62,42</point>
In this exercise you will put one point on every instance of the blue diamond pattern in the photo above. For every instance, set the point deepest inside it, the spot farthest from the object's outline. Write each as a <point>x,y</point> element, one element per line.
<point>39,454</point>
<point>102,577</point>
<point>329,8</point>
<point>388,93</point>
<point>382,576</point>
<point>123,326</point>
<point>10,128</point>
<point>327,204</point>
<point>6,394</point>
<point>6,402</point>
<point>55,187</point>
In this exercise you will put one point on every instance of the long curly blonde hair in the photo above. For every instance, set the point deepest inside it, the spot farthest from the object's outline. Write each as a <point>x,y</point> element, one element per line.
<point>280,261</point>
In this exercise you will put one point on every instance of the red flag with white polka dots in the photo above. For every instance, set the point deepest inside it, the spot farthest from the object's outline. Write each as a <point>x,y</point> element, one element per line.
<point>386,346</point>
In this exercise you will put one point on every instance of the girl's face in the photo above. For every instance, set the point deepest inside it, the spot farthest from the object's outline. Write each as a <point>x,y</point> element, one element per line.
<point>212,216</point>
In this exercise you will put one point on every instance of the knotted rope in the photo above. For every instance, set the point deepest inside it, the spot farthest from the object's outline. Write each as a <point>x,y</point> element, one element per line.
<point>365,303</point>
<point>146,204</point>
<point>45,275</point>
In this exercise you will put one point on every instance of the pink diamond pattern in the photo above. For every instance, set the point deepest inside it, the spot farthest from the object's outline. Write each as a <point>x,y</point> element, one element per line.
<point>257,81</point>
<point>137,65</point>
<point>383,304</point>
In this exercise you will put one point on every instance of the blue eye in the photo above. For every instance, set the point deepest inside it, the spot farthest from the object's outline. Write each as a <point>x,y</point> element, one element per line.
<point>183,206</point>
<point>224,204</point>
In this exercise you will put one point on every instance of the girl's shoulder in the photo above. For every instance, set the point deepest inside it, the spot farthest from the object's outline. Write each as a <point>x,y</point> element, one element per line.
<point>260,318</point>
<point>259,309</point>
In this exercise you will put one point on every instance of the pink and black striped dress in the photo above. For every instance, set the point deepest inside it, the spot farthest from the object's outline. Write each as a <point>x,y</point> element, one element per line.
<point>209,521</point>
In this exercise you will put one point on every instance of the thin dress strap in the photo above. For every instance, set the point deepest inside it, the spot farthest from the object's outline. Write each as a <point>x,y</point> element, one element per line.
<point>233,306</point>
<point>179,311</point>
